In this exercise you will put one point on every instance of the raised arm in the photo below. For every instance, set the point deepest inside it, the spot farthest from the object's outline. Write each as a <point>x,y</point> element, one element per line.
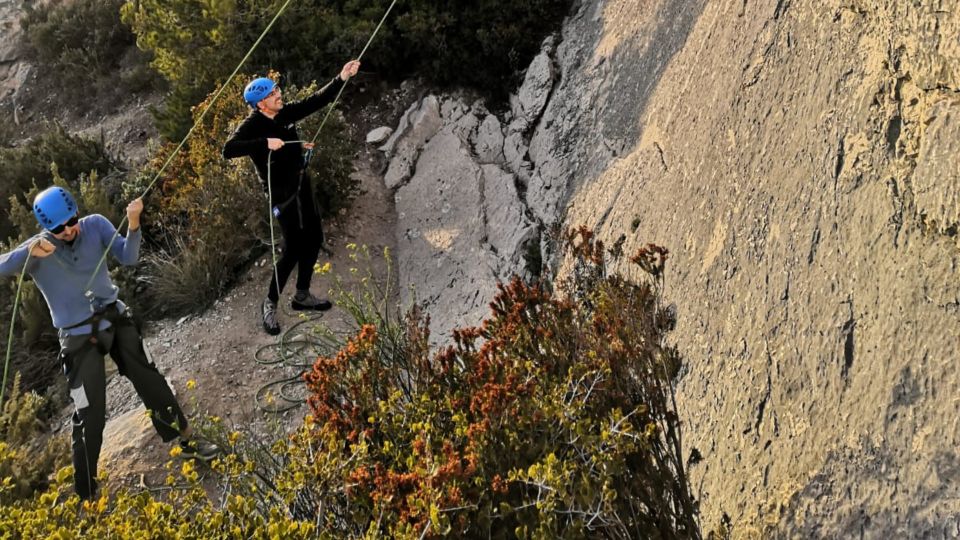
<point>295,112</point>
<point>125,249</point>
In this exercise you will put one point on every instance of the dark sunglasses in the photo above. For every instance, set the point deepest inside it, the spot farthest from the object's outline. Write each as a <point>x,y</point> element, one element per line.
<point>70,223</point>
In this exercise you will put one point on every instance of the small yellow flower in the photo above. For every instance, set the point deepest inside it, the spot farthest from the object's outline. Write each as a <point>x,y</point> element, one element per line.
<point>176,450</point>
<point>322,269</point>
<point>191,384</point>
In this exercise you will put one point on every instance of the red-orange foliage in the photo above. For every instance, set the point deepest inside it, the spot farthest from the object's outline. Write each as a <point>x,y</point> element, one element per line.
<point>450,438</point>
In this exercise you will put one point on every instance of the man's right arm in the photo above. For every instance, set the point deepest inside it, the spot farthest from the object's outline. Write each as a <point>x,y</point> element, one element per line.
<point>11,262</point>
<point>244,142</point>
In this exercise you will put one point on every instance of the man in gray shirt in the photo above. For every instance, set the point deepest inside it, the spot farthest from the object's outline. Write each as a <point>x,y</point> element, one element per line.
<point>92,322</point>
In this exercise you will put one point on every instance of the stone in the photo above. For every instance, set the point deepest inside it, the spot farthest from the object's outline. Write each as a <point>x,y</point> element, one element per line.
<point>379,135</point>
<point>422,123</point>
<point>488,141</point>
<point>528,104</point>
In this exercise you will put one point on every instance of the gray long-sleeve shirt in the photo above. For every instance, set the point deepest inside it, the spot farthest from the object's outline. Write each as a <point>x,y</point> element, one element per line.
<point>62,276</point>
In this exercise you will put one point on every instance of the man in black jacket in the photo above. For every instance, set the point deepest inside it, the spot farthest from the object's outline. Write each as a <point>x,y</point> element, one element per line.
<point>270,133</point>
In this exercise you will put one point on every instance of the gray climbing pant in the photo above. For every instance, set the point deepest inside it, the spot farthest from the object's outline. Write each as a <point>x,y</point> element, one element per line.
<point>82,359</point>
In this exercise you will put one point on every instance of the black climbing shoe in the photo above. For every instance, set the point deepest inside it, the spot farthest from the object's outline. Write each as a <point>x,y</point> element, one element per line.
<point>194,449</point>
<point>270,323</point>
<point>305,301</point>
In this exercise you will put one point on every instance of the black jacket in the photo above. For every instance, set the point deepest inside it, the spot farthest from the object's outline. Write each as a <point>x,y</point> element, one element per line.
<point>250,139</point>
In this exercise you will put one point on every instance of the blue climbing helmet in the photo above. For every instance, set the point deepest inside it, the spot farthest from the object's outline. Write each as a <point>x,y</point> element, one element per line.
<point>54,206</point>
<point>257,90</point>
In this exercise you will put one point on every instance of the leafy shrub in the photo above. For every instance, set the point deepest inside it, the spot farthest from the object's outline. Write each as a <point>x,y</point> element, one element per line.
<point>30,164</point>
<point>484,44</point>
<point>28,456</point>
<point>553,419</point>
<point>211,213</point>
<point>85,49</point>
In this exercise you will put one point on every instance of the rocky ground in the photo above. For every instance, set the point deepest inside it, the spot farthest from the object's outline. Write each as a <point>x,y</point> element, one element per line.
<point>215,350</point>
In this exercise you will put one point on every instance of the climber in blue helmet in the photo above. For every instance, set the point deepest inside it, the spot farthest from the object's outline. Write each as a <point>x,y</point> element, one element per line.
<point>270,133</point>
<point>92,321</point>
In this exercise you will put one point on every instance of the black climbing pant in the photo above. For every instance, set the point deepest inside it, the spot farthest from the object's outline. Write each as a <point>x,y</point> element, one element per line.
<point>302,238</point>
<point>82,358</point>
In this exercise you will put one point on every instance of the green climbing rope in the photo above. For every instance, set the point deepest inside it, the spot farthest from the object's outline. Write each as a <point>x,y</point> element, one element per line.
<point>13,322</point>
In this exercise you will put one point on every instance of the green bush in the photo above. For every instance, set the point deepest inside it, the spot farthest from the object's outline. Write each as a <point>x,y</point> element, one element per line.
<point>28,454</point>
<point>30,164</point>
<point>86,50</point>
<point>483,44</point>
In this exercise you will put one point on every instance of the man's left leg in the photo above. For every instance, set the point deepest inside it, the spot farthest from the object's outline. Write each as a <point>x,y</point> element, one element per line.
<point>132,362</point>
<point>157,396</point>
<point>310,239</point>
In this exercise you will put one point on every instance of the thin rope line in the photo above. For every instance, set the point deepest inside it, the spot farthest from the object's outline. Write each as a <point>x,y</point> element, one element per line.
<point>13,321</point>
<point>333,104</point>
<point>270,216</point>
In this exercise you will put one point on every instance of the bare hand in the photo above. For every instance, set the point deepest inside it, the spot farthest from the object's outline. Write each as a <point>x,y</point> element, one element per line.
<point>134,209</point>
<point>274,144</point>
<point>309,145</point>
<point>42,248</point>
<point>349,70</point>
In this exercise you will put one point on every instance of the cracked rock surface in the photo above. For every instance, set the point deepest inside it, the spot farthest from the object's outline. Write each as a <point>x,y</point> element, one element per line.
<point>799,159</point>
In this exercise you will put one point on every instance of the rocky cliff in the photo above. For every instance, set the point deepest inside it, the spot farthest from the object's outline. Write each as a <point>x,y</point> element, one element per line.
<point>798,158</point>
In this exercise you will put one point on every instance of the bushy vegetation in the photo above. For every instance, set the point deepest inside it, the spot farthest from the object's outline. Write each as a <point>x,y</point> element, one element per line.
<point>553,419</point>
<point>30,164</point>
<point>484,44</point>
<point>85,50</point>
<point>28,456</point>
<point>208,216</point>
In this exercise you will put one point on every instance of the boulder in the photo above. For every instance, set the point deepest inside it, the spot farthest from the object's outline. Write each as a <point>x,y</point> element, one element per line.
<point>419,125</point>
<point>379,135</point>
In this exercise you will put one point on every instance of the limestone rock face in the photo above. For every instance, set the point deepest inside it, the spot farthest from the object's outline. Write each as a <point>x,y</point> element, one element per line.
<point>799,159</point>
<point>418,125</point>
<point>13,68</point>
<point>462,222</point>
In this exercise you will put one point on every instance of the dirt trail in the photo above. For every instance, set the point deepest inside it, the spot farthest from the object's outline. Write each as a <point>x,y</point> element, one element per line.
<point>216,349</point>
